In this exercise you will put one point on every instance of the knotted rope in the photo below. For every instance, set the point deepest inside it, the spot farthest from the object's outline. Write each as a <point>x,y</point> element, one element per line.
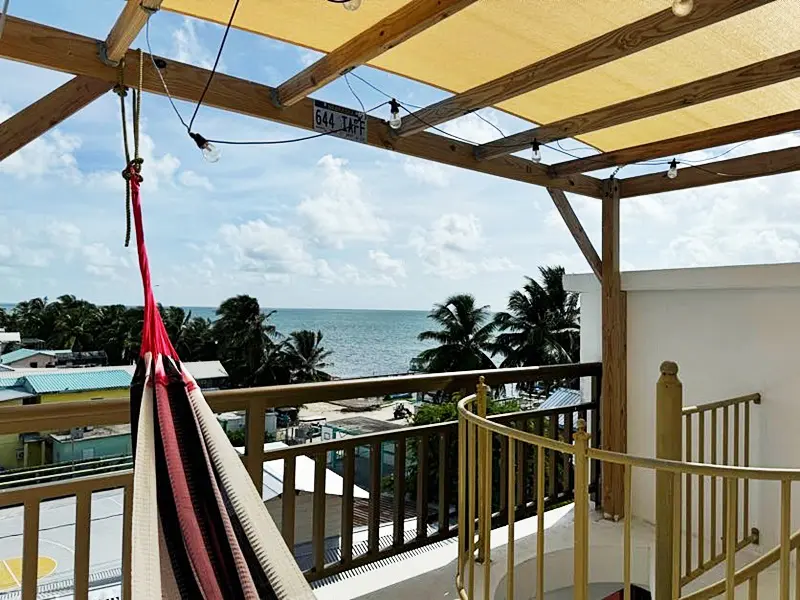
<point>133,166</point>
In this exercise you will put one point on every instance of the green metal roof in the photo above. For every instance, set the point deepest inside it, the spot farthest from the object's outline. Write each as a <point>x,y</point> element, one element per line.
<point>76,380</point>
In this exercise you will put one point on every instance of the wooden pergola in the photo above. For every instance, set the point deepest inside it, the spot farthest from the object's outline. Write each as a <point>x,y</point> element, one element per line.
<point>716,109</point>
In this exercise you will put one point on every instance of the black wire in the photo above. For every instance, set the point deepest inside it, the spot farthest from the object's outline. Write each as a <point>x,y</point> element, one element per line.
<point>352,91</point>
<point>160,76</point>
<point>216,63</point>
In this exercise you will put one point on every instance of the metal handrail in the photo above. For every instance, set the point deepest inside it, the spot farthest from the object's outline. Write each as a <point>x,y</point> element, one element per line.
<point>473,426</point>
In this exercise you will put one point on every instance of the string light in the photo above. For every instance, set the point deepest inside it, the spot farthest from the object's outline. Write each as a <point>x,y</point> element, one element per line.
<point>673,169</point>
<point>536,153</point>
<point>682,8</point>
<point>394,108</point>
<point>210,152</point>
<point>348,4</point>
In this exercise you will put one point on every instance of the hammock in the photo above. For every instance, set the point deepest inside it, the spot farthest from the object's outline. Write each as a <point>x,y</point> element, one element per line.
<point>200,528</point>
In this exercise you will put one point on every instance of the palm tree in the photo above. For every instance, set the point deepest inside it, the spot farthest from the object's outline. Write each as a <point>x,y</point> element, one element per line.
<point>176,321</point>
<point>464,337</point>
<point>306,356</point>
<point>72,321</point>
<point>31,319</point>
<point>117,331</point>
<point>197,341</point>
<point>245,338</point>
<point>541,326</point>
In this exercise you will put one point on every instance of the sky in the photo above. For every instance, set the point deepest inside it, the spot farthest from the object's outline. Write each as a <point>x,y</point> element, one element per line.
<point>325,223</point>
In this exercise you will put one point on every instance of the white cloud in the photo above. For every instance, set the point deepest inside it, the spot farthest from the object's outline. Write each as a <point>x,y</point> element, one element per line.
<point>270,251</point>
<point>473,128</point>
<point>393,267</point>
<point>499,264</point>
<point>426,172</point>
<point>451,248</point>
<point>188,49</point>
<point>101,262</point>
<point>192,179</point>
<point>443,247</point>
<point>339,214</point>
<point>309,57</point>
<point>50,155</point>
<point>64,235</point>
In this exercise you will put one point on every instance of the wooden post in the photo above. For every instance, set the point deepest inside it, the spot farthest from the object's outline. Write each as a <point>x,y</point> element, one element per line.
<point>669,405</point>
<point>614,411</point>
<point>581,525</point>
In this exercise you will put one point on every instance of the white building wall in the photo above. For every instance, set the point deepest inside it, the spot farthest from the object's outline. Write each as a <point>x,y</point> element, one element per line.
<point>732,331</point>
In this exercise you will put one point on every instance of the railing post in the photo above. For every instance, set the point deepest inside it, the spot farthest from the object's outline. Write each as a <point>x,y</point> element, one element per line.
<point>484,529</point>
<point>669,405</point>
<point>581,524</point>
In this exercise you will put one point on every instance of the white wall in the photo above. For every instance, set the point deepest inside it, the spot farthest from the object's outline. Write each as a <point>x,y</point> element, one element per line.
<point>732,331</point>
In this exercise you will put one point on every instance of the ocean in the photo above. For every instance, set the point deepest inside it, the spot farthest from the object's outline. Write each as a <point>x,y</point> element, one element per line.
<point>364,342</point>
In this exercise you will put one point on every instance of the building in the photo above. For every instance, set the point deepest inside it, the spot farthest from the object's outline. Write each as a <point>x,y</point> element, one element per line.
<point>86,443</point>
<point>358,426</point>
<point>31,358</point>
<point>272,491</point>
<point>23,386</point>
<point>8,337</point>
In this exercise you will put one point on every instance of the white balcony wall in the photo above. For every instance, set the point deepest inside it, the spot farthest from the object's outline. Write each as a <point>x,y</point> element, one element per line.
<point>732,331</point>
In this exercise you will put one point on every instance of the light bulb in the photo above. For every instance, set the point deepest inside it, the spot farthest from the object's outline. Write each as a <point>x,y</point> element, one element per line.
<point>395,122</point>
<point>352,4</point>
<point>211,153</point>
<point>673,169</point>
<point>682,8</point>
<point>536,153</point>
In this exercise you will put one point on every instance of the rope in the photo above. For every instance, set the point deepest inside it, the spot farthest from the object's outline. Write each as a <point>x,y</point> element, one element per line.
<point>133,167</point>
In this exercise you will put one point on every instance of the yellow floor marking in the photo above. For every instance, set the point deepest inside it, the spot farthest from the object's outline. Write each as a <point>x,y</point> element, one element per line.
<point>11,574</point>
<point>7,580</point>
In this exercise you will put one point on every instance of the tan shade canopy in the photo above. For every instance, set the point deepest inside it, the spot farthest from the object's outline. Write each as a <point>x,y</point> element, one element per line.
<point>494,37</point>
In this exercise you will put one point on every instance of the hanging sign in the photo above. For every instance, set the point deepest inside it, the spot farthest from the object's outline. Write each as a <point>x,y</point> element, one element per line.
<point>340,121</point>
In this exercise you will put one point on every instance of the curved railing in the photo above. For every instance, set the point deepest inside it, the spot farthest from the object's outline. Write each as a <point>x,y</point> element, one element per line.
<point>475,504</point>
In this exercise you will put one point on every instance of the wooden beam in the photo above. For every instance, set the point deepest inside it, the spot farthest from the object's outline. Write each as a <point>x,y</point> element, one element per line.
<point>409,20</point>
<point>743,79</point>
<point>614,392</point>
<point>734,169</point>
<point>625,41</point>
<point>63,51</point>
<point>47,112</point>
<point>577,231</point>
<point>130,22</point>
<point>710,138</point>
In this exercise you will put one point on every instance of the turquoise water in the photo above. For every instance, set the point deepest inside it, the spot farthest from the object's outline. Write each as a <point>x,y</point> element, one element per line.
<point>364,342</point>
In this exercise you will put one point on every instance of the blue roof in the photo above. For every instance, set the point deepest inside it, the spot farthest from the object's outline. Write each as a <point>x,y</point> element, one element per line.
<point>76,380</point>
<point>562,398</point>
<point>23,353</point>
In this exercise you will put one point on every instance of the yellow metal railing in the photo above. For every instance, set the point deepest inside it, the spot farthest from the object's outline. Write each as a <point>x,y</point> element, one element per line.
<point>475,495</point>
<point>720,441</point>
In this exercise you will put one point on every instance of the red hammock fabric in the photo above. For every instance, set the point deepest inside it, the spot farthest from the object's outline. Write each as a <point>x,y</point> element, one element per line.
<point>200,528</point>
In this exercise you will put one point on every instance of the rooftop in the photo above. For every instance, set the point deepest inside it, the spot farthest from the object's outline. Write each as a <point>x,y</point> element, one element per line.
<point>23,353</point>
<point>303,477</point>
<point>360,425</point>
<point>94,432</point>
<point>49,381</point>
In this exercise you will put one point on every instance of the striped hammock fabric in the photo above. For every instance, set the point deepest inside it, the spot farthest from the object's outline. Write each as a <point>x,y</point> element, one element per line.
<point>200,528</point>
